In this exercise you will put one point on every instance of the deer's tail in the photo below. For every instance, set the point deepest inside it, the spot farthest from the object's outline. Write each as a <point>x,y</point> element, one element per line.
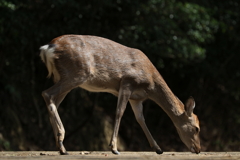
<point>47,56</point>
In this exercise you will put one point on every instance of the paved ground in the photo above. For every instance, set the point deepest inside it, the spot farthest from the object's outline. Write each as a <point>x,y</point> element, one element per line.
<point>42,155</point>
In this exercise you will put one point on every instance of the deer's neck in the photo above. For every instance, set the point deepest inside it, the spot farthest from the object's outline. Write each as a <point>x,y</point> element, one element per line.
<point>164,97</point>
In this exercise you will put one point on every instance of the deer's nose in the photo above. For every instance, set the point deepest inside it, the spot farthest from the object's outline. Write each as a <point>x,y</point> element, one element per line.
<point>195,149</point>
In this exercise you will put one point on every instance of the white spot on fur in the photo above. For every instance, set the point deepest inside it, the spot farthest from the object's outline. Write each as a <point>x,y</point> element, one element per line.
<point>52,107</point>
<point>43,48</point>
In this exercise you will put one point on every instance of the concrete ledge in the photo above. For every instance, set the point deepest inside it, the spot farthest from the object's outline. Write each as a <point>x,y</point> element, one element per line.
<point>76,155</point>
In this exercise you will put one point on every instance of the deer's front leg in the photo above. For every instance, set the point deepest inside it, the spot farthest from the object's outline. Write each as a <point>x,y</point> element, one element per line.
<point>123,98</point>
<point>138,112</point>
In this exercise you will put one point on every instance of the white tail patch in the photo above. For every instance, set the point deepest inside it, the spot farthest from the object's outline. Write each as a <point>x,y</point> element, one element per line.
<point>47,56</point>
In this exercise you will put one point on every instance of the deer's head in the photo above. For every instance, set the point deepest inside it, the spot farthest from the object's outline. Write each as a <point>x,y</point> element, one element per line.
<point>188,128</point>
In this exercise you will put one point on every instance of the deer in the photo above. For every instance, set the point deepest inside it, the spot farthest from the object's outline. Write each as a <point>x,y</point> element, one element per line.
<point>98,64</point>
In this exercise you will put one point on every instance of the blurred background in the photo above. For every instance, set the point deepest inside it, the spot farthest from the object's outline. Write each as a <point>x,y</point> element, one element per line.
<point>194,44</point>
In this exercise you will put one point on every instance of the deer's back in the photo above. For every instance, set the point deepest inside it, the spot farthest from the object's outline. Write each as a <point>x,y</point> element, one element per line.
<point>100,63</point>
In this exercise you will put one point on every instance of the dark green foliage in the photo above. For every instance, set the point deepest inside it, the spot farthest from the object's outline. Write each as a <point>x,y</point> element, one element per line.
<point>194,44</point>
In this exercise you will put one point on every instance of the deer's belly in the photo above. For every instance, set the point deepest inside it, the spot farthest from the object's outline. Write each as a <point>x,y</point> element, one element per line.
<point>99,88</point>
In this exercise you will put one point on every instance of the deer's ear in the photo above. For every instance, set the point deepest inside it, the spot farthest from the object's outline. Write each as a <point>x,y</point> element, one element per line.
<point>189,106</point>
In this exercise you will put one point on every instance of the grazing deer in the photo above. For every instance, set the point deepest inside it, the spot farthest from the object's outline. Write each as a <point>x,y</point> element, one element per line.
<point>100,65</point>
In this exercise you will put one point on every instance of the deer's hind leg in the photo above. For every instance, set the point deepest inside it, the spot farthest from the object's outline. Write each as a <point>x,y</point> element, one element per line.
<point>53,97</point>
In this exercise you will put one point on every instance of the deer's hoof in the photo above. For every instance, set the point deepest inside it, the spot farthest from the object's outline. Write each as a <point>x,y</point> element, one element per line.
<point>115,152</point>
<point>64,153</point>
<point>159,151</point>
